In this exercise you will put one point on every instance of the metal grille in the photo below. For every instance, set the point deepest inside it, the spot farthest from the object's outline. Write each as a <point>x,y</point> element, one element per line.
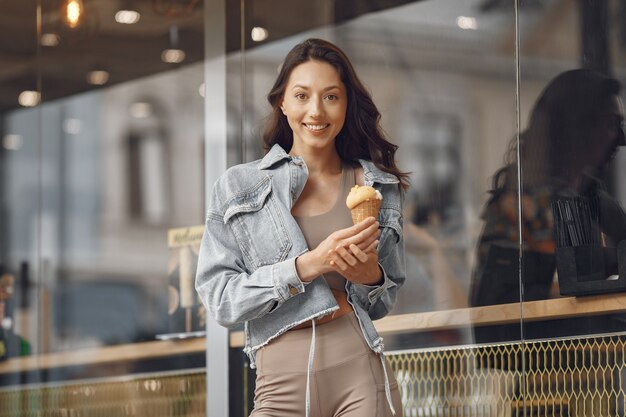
<point>150,396</point>
<point>574,377</point>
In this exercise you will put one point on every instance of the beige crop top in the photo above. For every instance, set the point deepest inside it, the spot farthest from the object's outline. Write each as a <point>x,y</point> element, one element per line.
<point>319,227</point>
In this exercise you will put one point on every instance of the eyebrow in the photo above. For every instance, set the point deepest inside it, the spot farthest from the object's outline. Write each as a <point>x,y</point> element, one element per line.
<point>304,87</point>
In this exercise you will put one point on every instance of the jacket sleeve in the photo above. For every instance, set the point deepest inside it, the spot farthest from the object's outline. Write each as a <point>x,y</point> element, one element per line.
<point>378,300</point>
<point>230,292</point>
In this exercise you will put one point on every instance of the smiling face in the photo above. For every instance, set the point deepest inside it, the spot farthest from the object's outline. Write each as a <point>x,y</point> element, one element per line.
<point>314,103</point>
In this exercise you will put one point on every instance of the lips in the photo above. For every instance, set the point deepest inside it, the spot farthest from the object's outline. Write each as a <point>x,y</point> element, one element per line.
<point>316,127</point>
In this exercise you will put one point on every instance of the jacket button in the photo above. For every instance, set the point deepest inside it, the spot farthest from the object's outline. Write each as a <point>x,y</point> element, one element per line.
<point>293,290</point>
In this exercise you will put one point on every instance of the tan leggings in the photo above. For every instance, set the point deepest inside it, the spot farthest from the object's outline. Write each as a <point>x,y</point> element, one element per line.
<point>347,378</point>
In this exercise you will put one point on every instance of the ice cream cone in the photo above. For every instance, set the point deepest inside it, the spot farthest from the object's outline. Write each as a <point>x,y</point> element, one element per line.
<point>365,209</point>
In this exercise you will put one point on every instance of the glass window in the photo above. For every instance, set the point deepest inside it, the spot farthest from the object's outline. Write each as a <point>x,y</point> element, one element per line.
<point>572,136</point>
<point>443,77</point>
<point>102,155</point>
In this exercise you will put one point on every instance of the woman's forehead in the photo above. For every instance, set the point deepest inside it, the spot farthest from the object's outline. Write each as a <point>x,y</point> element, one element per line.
<point>315,73</point>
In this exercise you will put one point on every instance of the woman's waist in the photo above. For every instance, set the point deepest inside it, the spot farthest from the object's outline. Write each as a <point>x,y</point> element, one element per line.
<point>317,301</point>
<point>335,343</point>
<point>344,308</point>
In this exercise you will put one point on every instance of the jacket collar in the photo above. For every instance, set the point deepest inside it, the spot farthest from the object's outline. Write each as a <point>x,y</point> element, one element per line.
<point>275,154</point>
<point>371,172</point>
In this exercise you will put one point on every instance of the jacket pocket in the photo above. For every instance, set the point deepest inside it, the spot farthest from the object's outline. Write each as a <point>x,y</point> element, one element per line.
<point>255,218</point>
<point>390,220</point>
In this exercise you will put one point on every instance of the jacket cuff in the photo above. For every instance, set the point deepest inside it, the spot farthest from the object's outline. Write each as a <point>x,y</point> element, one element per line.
<point>285,279</point>
<point>372,293</point>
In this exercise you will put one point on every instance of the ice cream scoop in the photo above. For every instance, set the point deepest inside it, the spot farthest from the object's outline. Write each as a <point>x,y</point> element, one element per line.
<point>363,201</point>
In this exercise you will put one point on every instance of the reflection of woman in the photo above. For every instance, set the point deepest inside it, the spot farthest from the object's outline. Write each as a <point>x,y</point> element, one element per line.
<point>280,252</point>
<point>573,133</point>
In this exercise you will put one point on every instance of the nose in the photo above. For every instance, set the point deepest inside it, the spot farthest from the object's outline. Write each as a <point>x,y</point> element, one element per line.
<point>315,108</point>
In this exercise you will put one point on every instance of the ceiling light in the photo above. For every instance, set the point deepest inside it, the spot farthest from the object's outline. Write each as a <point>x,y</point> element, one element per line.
<point>72,126</point>
<point>141,110</point>
<point>29,98</point>
<point>173,56</point>
<point>49,39</point>
<point>72,12</point>
<point>98,77</point>
<point>12,142</point>
<point>465,22</point>
<point>127,17</point>
<point>259,34</point>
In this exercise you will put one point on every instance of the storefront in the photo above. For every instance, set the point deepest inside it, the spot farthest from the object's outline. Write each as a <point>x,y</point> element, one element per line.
<point>116,118</point>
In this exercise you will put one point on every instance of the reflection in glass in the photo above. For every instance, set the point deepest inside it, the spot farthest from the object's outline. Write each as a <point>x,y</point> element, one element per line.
<point>89,190</point>
<point>574,132</point>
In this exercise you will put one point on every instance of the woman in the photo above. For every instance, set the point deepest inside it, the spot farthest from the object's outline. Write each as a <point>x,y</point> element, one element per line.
<point>281,255</point>
<point>574,131</point>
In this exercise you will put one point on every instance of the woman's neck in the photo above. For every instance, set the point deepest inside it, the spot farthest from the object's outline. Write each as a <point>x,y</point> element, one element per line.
<point>319,162</point>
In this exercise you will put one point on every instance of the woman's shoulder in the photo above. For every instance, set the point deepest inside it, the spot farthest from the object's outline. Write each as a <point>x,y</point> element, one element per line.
<point>237,180</point>
<point>241,171</point>
<point>242,174</point>
<point>373,174</point>
<point>388,184</point>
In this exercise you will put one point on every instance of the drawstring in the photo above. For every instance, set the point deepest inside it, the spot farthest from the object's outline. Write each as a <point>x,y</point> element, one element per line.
<point>387,388</point>
<point>309,371</point>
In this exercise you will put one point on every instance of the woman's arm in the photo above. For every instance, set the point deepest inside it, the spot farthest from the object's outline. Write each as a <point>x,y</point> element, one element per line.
<point>360,237</point>
<point>378,300</point>
<point>232,294</point>
<point>377,278</point>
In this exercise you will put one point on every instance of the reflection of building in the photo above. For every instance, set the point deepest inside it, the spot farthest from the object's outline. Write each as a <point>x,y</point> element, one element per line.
<point>93,177</point>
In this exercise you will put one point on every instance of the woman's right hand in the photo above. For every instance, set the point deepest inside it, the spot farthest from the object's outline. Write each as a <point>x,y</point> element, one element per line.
<point>317,261</point>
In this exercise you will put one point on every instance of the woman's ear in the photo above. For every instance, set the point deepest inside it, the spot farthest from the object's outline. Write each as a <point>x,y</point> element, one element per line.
<point>282,106</point>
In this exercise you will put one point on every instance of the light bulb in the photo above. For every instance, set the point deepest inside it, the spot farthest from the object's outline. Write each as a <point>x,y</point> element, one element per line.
<point>72,12</point>
<point>29,98</point>
<point>49,39</point>
<point>466,23</point>
<point>127,16</point>
<point>259,34</point>
<point>173,56</point>
<point>98,77</point>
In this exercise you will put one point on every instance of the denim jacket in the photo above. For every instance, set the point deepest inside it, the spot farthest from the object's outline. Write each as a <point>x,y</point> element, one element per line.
<point>246,267</point>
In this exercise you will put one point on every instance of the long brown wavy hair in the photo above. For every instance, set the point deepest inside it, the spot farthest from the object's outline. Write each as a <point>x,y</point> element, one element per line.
<point>560,129</point>
<point>361,136</point>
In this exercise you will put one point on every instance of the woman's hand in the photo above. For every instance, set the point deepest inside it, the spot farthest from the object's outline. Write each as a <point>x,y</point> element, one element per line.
<point>356,265</point>
<point>363,236</point>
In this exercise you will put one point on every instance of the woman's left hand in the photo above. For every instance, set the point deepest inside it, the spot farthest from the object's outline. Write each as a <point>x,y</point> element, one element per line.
<point>356,265</point>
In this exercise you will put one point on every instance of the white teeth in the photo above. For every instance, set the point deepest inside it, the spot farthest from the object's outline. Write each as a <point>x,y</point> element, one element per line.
<point>316,127</point>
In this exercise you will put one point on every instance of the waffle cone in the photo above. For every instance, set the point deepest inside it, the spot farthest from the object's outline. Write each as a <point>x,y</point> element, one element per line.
<point>366,209</point>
